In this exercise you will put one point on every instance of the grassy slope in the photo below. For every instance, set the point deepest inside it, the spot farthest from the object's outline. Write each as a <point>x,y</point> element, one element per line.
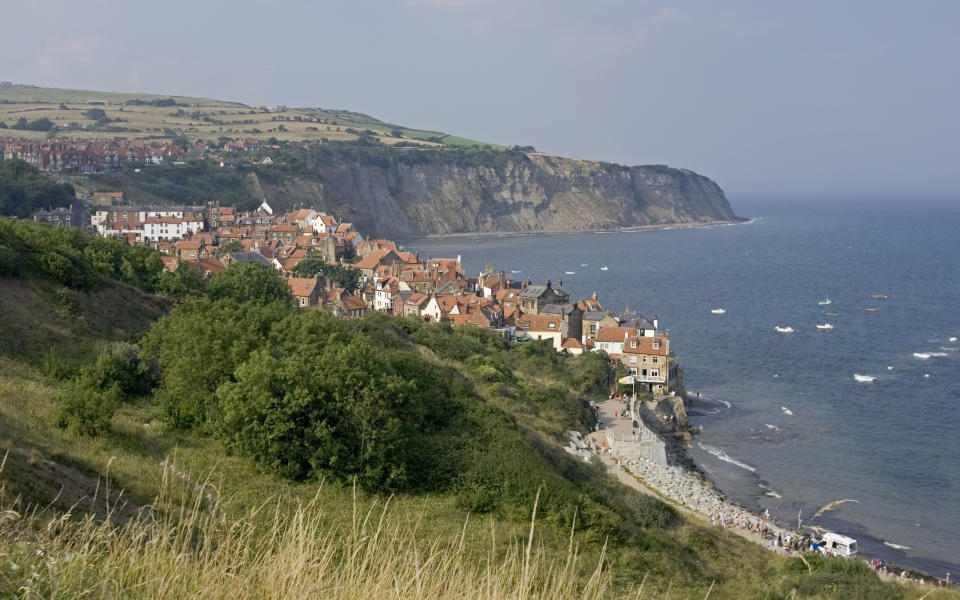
<point>238,120</point>
<point>46,465</point>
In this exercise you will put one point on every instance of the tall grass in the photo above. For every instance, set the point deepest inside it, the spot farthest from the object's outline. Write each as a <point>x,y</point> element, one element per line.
<point>193,550</point>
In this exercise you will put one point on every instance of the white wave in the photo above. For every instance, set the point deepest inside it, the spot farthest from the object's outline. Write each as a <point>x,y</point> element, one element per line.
<point>952,339</point>
<point>584,265</point>
<point>949,348</point>
<point>726,457</point>
<point>864,378</point>
<point>773,427</point>
<point>725,403</point>
<point>569,272</point>
<point>896,546</point>
<point>518,271</point>
<point>921,355</point>
<point>769,491</point>
<point>938,354</point>
<point>787,411</point>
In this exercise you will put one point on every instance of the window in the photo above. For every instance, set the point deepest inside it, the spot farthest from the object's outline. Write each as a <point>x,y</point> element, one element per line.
<point>656,360</point>
<point>656,345</point>
<point>633,344</point>
<point>552,325</point>
<point>654,373</point>
<point>644,359</point>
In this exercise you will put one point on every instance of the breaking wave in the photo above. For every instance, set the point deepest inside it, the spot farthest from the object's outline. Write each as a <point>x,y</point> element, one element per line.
<point>720,454</point>
<point>773,427</point>
<point>896,546</point>
<point>786,411</point>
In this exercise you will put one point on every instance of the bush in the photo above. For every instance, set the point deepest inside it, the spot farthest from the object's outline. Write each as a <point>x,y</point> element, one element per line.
<point>87,407</point>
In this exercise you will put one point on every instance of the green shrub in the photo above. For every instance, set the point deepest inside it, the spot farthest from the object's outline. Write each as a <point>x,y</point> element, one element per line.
<point>87,407</point>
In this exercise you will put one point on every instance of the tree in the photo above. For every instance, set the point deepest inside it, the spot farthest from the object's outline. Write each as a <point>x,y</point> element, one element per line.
<point>249,281</point>
<point>231,246</point>
<point>198,346</point>
<point>184,282</point>
<point>23,190</point>
<point>95,114</point>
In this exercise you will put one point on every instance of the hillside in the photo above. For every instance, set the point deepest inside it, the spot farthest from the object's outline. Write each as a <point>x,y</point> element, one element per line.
<point>142,116</point>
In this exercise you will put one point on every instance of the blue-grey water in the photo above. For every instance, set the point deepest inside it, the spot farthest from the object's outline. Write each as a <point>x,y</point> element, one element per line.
<point>800,431</point>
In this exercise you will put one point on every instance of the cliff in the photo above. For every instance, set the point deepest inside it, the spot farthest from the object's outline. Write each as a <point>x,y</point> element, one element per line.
<point>520,193</point>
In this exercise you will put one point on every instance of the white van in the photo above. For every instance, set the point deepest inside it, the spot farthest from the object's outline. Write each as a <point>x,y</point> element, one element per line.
<point>834,544</point>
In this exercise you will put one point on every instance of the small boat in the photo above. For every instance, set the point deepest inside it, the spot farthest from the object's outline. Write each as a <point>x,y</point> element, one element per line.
<point>719,311</point>
<point>829,314</point>
<point>871,309</point>
<point>825,302</point>
<point>569,272</point>
<point>880,296</point>
<point>604,268</point>
<point>784,329</point>
<point>864,378</point>
<point>583,264</point>
<point>824,326</point>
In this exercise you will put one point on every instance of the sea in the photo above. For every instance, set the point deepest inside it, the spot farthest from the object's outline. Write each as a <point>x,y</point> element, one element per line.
<point>863,416</point>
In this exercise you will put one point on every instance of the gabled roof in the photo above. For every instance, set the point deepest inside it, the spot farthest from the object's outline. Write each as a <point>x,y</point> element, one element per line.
<point>572,343</point>
<point>539,323</point>
<point>557,309</point>
<point>301,287</point>
<point>353,303</point>
<point>250,257</point>
<point>614,334</point>
<point>645,345</point>
<point>372,261</point>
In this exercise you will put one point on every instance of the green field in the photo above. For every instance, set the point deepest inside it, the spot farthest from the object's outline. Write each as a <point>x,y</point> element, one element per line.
<point>194,118</point>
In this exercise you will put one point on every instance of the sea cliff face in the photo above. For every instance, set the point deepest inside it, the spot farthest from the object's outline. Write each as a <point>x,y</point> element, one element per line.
<point>540,194</point>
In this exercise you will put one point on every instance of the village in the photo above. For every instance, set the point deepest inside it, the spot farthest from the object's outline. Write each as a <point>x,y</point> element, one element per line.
<point>388,278</point>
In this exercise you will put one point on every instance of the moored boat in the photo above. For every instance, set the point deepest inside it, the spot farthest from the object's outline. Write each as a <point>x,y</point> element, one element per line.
<point>718,311</point>
<point>784,329</point>
<point>829,314</point>
<point>824,326</point>
<point>872,309</point>
<point>825,302</point>
<point>880,296</point>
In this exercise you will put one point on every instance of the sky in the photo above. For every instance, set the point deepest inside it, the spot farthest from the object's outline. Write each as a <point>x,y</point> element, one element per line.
<point>764,97</point>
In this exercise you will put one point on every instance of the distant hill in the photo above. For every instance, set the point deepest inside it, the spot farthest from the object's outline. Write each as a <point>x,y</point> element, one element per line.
<point>139,115</point>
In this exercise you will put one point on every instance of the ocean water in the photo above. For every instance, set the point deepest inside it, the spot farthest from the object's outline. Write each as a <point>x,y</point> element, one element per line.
<point>786,425</point>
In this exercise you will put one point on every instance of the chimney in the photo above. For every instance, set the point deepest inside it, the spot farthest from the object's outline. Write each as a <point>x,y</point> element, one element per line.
<point>559,282</point>
<point>548,284</point>
<point>626,309</point>
<point>656,323</point>
<point>594,294</point>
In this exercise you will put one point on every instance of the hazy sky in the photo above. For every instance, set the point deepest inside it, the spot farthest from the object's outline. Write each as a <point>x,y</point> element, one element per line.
<point>792,97</point>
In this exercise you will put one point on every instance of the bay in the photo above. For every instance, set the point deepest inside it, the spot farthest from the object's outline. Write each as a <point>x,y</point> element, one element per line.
<point>787,407</point>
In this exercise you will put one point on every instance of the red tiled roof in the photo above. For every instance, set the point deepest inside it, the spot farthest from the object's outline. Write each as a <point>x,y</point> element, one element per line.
<point>614,334</point>
<point>644,345</point>
<point>301,287</point>
<point>539,322</point>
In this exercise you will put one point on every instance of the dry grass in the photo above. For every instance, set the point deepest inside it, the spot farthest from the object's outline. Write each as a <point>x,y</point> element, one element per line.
<point>196,551</point>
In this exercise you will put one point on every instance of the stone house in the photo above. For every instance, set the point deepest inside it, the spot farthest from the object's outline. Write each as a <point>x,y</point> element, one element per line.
<point>534,297</point>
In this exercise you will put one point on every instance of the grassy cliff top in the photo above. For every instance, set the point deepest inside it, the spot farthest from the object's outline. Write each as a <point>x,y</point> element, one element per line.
<point>138,115</point>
